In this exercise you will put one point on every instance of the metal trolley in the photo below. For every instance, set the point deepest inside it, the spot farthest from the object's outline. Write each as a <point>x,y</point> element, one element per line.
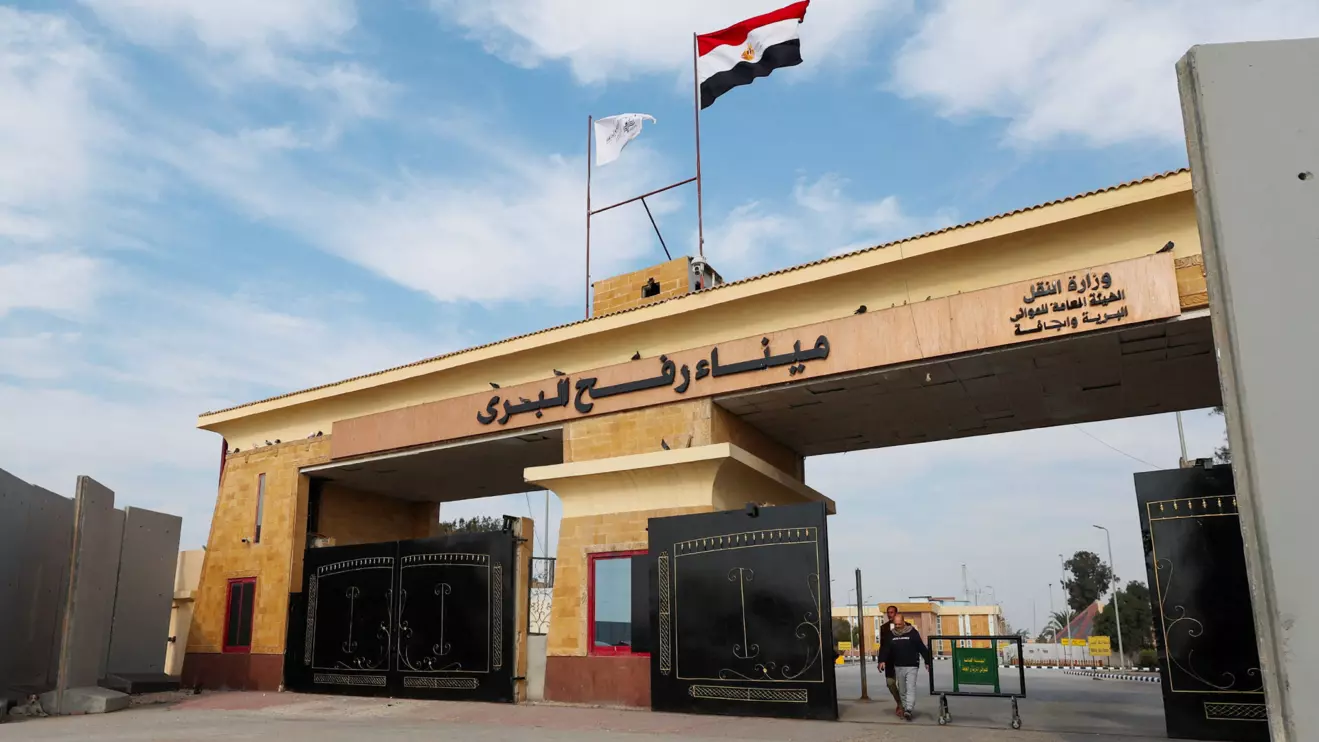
<point>977,667</point>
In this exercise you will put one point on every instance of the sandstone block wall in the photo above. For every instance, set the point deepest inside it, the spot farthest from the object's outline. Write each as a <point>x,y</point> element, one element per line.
<point>624,292</point>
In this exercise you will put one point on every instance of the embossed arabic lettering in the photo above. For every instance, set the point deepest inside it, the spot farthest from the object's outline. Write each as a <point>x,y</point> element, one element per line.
<point>588,388</point>
<point>1084,301</point>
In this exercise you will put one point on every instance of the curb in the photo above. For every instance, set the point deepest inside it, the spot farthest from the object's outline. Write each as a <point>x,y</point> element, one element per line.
<point>1114,676</point>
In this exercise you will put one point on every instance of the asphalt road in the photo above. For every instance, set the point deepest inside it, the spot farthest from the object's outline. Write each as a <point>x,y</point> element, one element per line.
<point>290,717</point>
<point>1054,702</point>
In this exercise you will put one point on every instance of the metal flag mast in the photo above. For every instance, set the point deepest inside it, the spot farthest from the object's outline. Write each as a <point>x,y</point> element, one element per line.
<point>700,206</point>
<point>696,104</point>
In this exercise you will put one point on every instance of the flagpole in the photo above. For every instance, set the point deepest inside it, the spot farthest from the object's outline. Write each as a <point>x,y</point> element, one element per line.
<point>696,98</point>
<point>588,216</point>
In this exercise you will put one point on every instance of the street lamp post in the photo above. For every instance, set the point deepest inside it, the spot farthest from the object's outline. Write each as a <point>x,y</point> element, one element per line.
<point>1062,565</point>
<point>1117,611</point>
<point>1055,630</point>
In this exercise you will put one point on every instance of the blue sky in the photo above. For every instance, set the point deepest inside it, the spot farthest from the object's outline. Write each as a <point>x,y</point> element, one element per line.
<point>206,203</point>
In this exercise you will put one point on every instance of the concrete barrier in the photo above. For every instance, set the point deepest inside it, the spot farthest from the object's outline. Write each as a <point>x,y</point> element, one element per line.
<point>93,574</point>
<point>36,529</point>
<point>144,594</point>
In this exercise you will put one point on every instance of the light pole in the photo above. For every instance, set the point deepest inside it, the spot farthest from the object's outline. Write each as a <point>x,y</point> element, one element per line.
<point>1181,437</point>
<point>1117,612</point>
<point>1055,631</point>
<point>1062,565</point>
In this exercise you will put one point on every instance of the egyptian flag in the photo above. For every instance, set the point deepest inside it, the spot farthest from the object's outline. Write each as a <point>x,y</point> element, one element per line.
<point>744,51</point>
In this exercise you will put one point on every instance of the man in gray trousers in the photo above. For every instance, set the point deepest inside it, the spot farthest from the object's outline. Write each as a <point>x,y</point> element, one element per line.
<point>904,652</point>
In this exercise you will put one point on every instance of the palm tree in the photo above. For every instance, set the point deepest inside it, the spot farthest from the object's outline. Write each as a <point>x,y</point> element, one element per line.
<point>1058,621</point>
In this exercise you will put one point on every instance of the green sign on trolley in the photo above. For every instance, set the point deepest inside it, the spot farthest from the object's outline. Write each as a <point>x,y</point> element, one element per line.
<point>974,667</point>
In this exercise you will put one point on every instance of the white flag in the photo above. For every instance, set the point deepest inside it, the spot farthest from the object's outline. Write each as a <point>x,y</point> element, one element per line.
<point>612,133</point>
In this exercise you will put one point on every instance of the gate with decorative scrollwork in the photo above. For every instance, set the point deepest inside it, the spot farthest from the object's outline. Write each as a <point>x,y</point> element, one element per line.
<point>426,618</point>
<point>739,617</point>
<point>1200,594</point>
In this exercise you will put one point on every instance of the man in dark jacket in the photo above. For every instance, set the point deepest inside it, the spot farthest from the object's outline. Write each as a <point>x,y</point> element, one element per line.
<point>904,652</point>
<point>885,636</point>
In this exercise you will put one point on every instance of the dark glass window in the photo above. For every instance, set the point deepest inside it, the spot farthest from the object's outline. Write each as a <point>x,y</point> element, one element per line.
<point>260,506</point>
<point>238,615</point>
<point>611,598</point>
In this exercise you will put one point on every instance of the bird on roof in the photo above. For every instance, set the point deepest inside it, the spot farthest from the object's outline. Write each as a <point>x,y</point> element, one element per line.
<point>636,356</point>
<point>860,310</point>
<point>664,444</point>
<point>557,372</point>
<point>493,385</point>
<point>1166,247</point>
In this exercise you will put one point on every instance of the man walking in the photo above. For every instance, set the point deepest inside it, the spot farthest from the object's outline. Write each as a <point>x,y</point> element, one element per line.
<point>904,652</point>
<point>886,636</point>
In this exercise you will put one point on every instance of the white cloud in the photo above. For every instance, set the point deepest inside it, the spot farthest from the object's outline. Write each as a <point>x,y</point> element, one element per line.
<point>119,400</point>
<point>511,230</point>
<point>603,40</point>
<point>1100,71</point>
<point>820,219</point>
<point>51,131</point>
<point>243,27</point>
<point>51,282</point>
<point>233,42</point>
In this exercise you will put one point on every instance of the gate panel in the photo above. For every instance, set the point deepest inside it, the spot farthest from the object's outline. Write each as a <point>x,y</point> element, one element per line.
<point>738,613</point>
<point>1203,625</point>
<point>456,612</point>
<point>427,618</point>
<point>347,637</point>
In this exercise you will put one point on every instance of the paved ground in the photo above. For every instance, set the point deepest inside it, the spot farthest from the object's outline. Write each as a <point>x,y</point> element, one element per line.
<point>1054,702</point>
<point>288,717</point>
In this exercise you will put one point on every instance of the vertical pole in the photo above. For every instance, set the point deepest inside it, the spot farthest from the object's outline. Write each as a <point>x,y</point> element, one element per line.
<point>966,591</point>
<point>1181,437</point>
<point>1117,610</point>
<point>1055,631</point>
<point>861,636</point>
<point>545,539</point>
<point>589,122</point>
<point>1062,564</point>
<point>696,99</point>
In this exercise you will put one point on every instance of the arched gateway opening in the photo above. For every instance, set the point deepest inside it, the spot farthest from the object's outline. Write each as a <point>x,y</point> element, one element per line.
<point>692,557</point>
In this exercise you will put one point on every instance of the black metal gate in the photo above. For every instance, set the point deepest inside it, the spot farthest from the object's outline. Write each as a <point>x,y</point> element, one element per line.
<point>738,613</point>
<point>427,618</point>
<point>1203,625</point>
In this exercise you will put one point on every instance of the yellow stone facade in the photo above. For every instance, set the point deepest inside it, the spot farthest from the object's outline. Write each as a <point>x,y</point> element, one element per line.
<point>625,292</point>
<point>276,561</point>
<point>579,537</point>
<point>349,517</point>
<point>687,424</point>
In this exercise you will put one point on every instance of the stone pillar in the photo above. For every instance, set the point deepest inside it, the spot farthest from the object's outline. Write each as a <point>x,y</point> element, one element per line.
<point>606,506</point>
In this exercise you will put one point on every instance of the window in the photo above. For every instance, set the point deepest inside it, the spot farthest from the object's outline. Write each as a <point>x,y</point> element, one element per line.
<point>238,615</point>
<point>260,505</point>
<point>616,606</point>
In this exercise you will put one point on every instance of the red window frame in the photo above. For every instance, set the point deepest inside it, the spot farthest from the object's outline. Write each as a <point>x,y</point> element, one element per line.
<point>228,609</point>
<point>591,649</point>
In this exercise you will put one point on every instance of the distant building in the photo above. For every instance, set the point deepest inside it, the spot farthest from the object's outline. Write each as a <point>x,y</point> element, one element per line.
<point>931,616</point>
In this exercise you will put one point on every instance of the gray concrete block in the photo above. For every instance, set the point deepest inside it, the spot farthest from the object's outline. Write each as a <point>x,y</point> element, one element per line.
<point>112,552</point>
<point>92,578</point>
<point>1252,130</point>
<point>91,700</point>
<point>147,563</point>
<point>36,528</point>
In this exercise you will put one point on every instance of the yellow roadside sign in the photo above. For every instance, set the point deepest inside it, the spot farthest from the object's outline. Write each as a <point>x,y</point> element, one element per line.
<point>1073,642</point>
<point>844,646</point>
<point>1100,646</point>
